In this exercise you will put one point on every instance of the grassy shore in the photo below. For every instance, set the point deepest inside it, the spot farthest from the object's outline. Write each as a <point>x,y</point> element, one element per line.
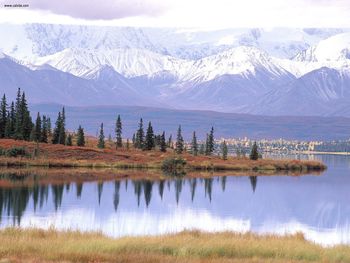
<point>35,245</point>
<point>49,155</point>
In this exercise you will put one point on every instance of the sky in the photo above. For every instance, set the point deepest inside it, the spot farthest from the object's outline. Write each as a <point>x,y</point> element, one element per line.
<point>204,14</point>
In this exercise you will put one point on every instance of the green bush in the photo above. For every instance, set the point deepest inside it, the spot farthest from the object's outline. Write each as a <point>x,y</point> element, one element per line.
<point>174,166</point>
<point>16,151</point>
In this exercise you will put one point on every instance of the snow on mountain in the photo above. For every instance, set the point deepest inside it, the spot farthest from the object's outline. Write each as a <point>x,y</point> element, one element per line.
<point>55,86</point>
<point>38,40</point>
<point>128,62</point>
<point>333,52</point>
<point>242,60</point>
<point>321,92</point>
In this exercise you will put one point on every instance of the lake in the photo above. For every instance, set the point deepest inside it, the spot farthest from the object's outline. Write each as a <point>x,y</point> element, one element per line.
<point>317,205</point>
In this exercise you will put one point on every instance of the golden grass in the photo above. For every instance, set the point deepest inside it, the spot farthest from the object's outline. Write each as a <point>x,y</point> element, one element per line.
<point>33,245</point>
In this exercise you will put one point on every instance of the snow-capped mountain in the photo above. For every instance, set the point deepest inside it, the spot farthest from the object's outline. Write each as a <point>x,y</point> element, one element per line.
<point>322,92</point>
<point>128,62</point>
<point>33,40</point>
<point>261,71</point>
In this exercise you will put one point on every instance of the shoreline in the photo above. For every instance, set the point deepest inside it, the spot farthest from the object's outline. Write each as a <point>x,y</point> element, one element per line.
<point>35,245</point>
<point>59,156</point>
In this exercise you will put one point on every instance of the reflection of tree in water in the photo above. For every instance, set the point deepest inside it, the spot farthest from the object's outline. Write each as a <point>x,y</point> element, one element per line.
<point>116,195</point>
<point>147,190</point>
<point>178,189</point>
<point>193,184</point>
<point>161,189</point>
<point>99,191</point>
<point>223,183</point>
<point>208,185</point>
<point>14,201</point>
<point>57,193</point>
<point>137,190</point>
<point>79,187</point>
<point>253,182</point>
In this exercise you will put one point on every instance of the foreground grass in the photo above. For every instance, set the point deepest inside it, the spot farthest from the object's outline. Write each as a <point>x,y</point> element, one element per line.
<point>59,156</point>
<point>35,245</point>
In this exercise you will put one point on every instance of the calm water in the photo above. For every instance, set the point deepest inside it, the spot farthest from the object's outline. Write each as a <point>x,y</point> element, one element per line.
<point>319,206</point>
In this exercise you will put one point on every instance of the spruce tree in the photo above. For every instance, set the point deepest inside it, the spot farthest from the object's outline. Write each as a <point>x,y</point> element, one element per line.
<point>224,150</point>
<point>118,132</point>
<point>133,139</point>
<point>19,117</point>
<point>3,116</point>
<point>162,142</point>
<point>49,127</point>
<point>62,130</point>
<point>10,123</point>
<point>140,136</point>
<point>37,128</point>
<point>101,138</point>
<point>69,140</point>
<point>210,142</point>
<point>80,137</point>
<point>44,130</point>
<point>254,154</point>
<point>27,123</point>
<point>179,141</point>
<point>56,131</point>
<point>170,141</point>
<point>194,146</point>
<point>202,149</point>
<point>149,141</point>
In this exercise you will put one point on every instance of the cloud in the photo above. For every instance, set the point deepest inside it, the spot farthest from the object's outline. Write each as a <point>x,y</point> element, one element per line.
<point>182,13</point>
<point>98,9</point>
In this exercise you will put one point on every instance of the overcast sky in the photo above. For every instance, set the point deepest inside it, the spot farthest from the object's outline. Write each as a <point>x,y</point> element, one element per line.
<point>182,13</point>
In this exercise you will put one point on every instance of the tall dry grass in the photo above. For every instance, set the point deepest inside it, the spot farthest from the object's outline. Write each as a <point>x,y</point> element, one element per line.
<point>34,245</point>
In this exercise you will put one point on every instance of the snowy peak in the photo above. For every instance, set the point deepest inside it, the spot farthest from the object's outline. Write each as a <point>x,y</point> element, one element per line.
<point>334,48</point>
<point>242,60</point>
<point>128,62</point>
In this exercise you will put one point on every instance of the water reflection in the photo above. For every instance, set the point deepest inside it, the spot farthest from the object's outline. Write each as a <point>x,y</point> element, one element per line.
<point>316,205</point>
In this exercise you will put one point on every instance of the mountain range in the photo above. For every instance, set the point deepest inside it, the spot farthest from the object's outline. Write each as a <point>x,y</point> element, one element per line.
<point>258,71</point>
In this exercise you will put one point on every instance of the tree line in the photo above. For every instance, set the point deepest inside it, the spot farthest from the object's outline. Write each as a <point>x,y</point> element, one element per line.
<point>16,123</point>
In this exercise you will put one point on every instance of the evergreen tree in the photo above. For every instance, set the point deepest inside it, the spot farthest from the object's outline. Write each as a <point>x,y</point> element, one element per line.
<point>56,131</point>
<point>62,130</point>
<point>133,139</point>
<point>140,136</point>
<point>149,141</point>
<point>224,150</point>
<point>69,140</point>
<point>49,127</point>
<point>254,154</point>
<point>162,142</point>
<point>101,138</point>
<point>80,137</point>
<point>202,149</point>
<point>44,130</point>
<point>210,142</point>
<point>37,129</point>
<point>118,132</point>
<point>19,117</point>
<point>170,141</point>
<point>10,123</point>
<point>194,146</point>
<point>8,127</point>
<point>3,116</point>
<point>179,141</point>
<point>27,123</point>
